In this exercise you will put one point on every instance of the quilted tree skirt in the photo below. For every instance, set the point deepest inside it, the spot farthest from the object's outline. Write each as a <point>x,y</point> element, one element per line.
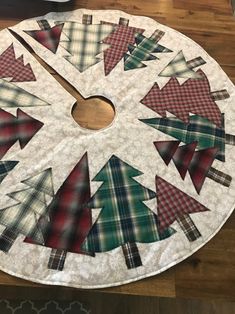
<point>94,209</point>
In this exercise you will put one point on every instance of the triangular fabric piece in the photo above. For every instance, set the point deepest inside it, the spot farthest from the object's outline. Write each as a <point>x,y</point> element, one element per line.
<point>42,182</point>
<point>14,96</point>
<point>118,40</point>
<point>166,149</point>
<point>200,165</point>
<point>70,217</point>
<point>183,156</point>
<point>27,127</point>
<point>6,167</point>
<point>49,38</point>
<point>173,203</point>
<point>12,129</point>
<point>13,68</point>
<point>178,67</point>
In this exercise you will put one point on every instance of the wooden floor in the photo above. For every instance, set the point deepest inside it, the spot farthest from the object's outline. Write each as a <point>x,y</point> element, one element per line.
<point>209,274</point>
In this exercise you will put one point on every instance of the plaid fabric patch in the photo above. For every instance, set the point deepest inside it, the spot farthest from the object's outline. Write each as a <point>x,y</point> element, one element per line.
<point>200,165</point>
<point>87,19</point>
<point>196,62</point>
<point>24,216</point>
<point>70,218</point>
<point>220,95</point>
<point>13,68</point>
<point>199,129</point>
<point>230,139</point>
<point>6,167</point>
<point>157,35</point>
<point>219,176</point>
<point>173,203</point>
<point>57,259</point>
<point>7,238</point>
<point>166,149</point>
<point>178,67</point>
<point>123,21</point>
<point>131,254</point>
<point>43,24</point>
<point>119,40</point>
<point>142,51</point>
<point>124,217</point>
<point>84,43</point>
<point>188,227</point>
<point>48,37</point>
<point>14,96</point>
<point>22,128</point>
<point>183,157</point>
<point>193,96</point>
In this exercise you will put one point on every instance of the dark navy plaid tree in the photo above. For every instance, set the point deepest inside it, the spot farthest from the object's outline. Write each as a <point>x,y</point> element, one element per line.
<point>29,214</point>
<point>124,218</point>
<point>142,50</point>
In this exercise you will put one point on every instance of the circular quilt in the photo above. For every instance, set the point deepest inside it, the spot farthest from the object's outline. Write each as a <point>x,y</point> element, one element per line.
<point>94,209</point>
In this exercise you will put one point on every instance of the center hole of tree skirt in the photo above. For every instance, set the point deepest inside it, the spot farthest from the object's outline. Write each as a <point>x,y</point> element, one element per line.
<point>94,113</point>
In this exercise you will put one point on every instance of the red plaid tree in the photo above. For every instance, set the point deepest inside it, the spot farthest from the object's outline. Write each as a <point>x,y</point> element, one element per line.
<point>69,218</point>
<point>185,158</point>
<point>193,96</point>
<point>14,68</point>
<point>174,205</point>
<point>47,36</point>
<point>12,129</point>
<point>119,41</point>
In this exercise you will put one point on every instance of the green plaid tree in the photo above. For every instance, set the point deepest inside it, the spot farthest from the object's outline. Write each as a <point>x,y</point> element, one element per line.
<point>124,218</point>
<point>83,42</point>
<point>143,50</point>
<point>29,214</point>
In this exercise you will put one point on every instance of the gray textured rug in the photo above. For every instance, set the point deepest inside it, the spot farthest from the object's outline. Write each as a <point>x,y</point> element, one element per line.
<point>42,307</point>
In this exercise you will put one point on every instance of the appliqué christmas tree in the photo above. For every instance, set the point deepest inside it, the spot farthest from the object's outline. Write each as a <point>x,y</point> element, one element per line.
<point>199,129</point>
<point>119,41</point>
<point>143,49</point>
<point>47,36</point>
<point>69,218</point>
<point>174,205</point>
<point>124,218</point>
<point>84,42</point>
<point>31,207</point>
<point>14,68</point>
<point>197,163</point>
<point>12,129</point>
<point>179,67</point>
<point>14,96</point>
<point>193,96</point>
